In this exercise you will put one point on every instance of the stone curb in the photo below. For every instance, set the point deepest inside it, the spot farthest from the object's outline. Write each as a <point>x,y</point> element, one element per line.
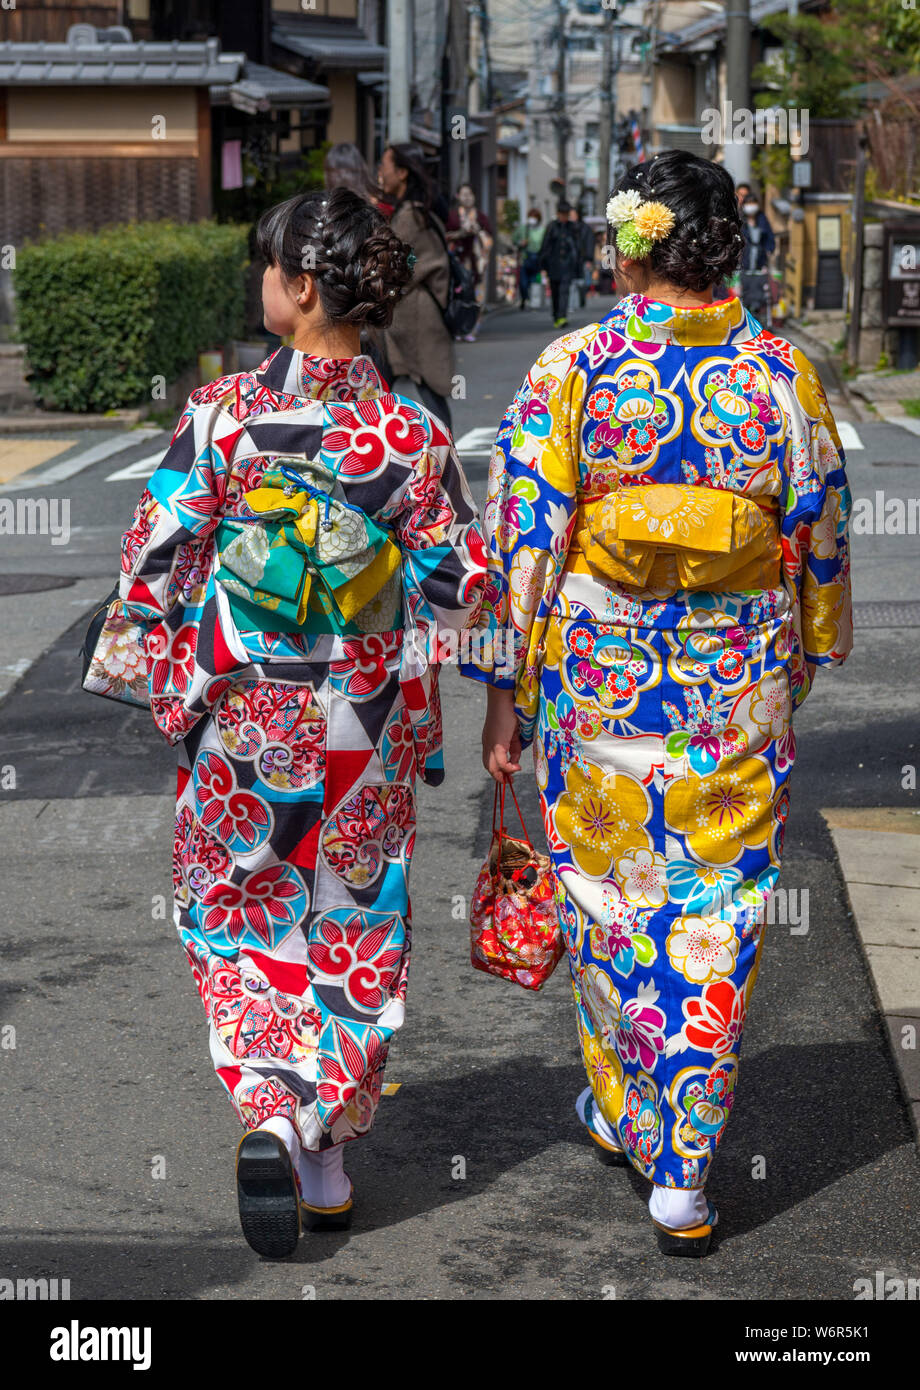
<point>32,422</point>
<point>879,853</point>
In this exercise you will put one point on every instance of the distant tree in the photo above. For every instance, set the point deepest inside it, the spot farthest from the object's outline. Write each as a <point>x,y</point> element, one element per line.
<point>825,55</point>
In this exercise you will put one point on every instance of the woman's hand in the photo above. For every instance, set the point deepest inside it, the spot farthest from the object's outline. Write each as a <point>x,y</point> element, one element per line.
<point>501,738</point>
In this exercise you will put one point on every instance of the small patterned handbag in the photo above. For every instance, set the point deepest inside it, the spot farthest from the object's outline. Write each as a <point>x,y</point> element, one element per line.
<point>114,664</point>
<point>514,925</point>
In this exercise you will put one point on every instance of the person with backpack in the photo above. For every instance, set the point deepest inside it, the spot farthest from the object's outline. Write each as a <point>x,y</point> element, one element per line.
<point>560,257</point>
<point>418,343</point>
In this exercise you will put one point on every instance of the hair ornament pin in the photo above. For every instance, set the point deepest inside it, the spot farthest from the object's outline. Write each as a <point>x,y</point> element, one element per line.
<point>411,259</point>
<point>392,293</point>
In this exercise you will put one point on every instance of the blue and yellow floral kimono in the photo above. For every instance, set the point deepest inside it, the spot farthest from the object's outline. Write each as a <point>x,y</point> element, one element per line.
<point>667,524</point>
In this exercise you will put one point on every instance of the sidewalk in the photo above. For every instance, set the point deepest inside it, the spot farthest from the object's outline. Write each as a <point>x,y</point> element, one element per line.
<point>875,394</point>
<point>879,853</point>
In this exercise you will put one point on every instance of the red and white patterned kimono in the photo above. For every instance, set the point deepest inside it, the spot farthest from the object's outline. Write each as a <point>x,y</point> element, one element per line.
<point>298,753</point>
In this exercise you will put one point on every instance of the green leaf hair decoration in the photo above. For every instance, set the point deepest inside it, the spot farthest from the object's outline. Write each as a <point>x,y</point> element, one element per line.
<point>632,243</point>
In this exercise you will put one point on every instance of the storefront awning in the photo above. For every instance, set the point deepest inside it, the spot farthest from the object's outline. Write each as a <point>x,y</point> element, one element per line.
<point>330,47</point>
<point>261,88</point>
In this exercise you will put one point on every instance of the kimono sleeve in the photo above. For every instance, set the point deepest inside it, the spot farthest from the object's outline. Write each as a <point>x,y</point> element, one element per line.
<point>436,524</point>
<point>437,527</point>
<point>815,534</point>
<point>175,516</point>
<point>529,517</point>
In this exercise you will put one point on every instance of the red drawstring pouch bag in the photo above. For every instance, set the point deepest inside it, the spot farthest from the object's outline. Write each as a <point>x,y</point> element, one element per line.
<point>514,925</point>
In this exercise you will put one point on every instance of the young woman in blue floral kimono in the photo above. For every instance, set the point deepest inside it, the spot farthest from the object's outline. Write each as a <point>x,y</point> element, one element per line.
<point>300,523</point>
<point>667,526</point>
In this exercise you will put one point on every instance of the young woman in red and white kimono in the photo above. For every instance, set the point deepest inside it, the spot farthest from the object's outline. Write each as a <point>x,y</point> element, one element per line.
<point>299,748</point>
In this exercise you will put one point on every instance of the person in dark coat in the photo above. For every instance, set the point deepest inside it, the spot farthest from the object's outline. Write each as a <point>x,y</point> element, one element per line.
<point>559,257</point>
<point>759,245</point>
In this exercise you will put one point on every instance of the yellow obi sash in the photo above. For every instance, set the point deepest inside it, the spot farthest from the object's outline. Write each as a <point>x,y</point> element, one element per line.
<point>681,534</point>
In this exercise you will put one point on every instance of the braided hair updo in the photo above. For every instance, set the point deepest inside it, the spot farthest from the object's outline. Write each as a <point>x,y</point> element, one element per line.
<point>359,264</point>
<point>707,242</point>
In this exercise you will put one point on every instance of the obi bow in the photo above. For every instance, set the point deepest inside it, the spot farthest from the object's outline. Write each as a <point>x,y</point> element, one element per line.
<point>310,562</point>
<point>717,538</point>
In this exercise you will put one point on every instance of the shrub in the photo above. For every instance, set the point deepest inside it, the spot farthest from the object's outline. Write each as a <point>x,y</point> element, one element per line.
<point>102,313</point>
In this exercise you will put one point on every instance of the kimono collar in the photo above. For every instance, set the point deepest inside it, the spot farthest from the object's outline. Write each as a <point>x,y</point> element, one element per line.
<point>321,378</point>
<point>650,320</point>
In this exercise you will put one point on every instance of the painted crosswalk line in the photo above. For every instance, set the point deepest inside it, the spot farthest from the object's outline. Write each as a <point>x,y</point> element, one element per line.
<point>140,468</point>
<point>849,436</point>
<point>477,442</point>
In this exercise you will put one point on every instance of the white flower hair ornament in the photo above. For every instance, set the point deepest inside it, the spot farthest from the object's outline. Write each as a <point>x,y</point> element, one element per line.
<point>639,225</point>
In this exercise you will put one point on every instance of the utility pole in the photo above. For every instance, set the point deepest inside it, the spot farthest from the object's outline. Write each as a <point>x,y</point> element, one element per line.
<point>737,85</point>
<point>648,73</point>
<point>856,276</point>
<point>399,39</point>
<point>608,105</point>
<point>562,120</point>
<point>486,61</point>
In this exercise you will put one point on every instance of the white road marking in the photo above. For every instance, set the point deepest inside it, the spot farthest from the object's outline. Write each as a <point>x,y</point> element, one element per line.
<point>141,468</point>
<point>906,422</point>
<point>478,441</point>
<point>59,471</point>
<point>849,436</point>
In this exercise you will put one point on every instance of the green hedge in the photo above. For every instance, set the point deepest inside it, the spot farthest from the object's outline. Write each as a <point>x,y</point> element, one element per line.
<point>102,313</point>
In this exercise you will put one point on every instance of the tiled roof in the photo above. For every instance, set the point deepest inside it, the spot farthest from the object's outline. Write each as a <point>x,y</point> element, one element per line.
<point>713,24</point>
<point>117,64</point>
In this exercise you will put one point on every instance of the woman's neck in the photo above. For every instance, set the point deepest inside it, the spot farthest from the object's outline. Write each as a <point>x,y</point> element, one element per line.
<point>675,294</point>
<point>344,341</point>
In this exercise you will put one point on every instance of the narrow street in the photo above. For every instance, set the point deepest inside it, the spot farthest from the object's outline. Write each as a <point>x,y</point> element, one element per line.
<point>477,1181</point>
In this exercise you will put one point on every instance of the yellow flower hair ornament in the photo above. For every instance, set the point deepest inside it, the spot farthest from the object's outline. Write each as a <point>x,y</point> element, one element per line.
<point>638,225</point>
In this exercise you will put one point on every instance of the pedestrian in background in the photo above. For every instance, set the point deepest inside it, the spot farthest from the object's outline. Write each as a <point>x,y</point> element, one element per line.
<point>302,720</point>
<point>418,346</point>
<point>584,237</point>
<point>528,241</point>
<point>560,257</point>
<point>469,235</point>
<point>346,167</point>
<point>759,245</point>
<point>680,571</point>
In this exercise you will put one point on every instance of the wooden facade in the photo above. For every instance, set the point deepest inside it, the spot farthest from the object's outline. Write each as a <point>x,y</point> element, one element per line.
<point>49,20</point>
<point>68,181</point>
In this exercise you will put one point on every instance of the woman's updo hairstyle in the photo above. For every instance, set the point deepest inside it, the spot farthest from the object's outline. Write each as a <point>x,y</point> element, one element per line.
<point>707,242</point>
<point>358,262</point>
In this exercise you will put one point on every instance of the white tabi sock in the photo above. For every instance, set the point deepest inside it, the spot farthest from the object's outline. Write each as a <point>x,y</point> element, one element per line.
<point>323,1180</point>
<point>679,1207</point>
<point>283,1128</point>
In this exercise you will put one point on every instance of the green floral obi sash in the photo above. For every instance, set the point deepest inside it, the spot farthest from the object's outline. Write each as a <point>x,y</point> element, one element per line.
<point>310,562</point>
